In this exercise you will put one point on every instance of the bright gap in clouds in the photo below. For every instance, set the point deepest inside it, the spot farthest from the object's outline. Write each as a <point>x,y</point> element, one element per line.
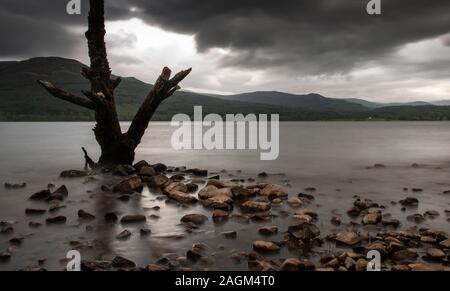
<point>140,50</point>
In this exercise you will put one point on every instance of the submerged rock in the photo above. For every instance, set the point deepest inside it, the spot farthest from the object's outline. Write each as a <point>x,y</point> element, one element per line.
<point>15,185</point>
<point>124,234</point>
<point>409,201</point>
<point>182,197</point>
<point>274,191</point>
<point>349,238</point>
<point>73,174</point>
<point>85,215</point>
<point>56,220</point>
<point>133,218</point>
<point>41,195</point>
<point>268,230</point>
<point>304,231</point>
<point>129,185</point>
<point>32,211</point>
<point>197,219</point>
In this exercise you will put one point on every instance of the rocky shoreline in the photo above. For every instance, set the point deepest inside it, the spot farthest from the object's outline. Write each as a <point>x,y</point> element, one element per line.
<point>249,202</point>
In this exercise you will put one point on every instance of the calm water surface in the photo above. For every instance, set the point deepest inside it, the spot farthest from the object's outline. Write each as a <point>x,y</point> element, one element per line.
<point>333,157</point>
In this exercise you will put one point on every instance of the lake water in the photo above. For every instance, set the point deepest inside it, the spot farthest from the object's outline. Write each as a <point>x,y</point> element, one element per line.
<point>330,156</point>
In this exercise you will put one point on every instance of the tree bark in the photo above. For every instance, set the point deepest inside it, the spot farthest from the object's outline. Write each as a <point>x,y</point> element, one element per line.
<point>116,147</point>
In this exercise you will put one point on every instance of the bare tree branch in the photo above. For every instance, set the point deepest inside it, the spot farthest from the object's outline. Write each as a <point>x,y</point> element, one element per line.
<point>66,96</point>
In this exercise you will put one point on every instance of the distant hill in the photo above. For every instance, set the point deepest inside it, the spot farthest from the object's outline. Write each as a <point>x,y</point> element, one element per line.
<point>310,101</point>
<point>22,99</point>
<point>369,104</point>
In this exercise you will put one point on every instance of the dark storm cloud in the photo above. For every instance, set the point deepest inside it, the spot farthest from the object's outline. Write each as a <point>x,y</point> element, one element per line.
<point>308,36</point>
<point>313,35</point>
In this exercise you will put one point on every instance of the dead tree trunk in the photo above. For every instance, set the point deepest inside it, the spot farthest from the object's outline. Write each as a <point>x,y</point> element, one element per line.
<point>117,147</point>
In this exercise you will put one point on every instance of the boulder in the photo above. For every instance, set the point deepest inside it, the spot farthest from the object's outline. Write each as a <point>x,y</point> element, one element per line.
<point>253,206</point>
<point>221,184</point>
<point>361,265</point>
<point>147,171</point>
<point>197,219</point>
<point>435,254</point>
<point>123,263</point>
<point>241,192</point>
<point>390,222</point>
<point>365,204</point>
<point>160,181</point>
<point>41,195</point>
<point>111,217</point>
<point>335,220</point>
<point>268,230</point>
<point>274,191</point>
<point>139,165</point>
<point>417,218</point>
<point>220,215</point>
<point>349,238</point>
<point>230,234</point>
<point>265,246</point>
<point>304,231</point>
<point>212,191</point>
<point>176,186</point>
<point>404,255</point>
<point>129,185</point>
<point>372,218</point>
<point>295,202</point>
<point>182,197</point>
<point>191,187</point>
<point>32,211</point>
<point>445,244</point>
<point>262,266</point>
<point>160,168</point>
<point>223,202</point>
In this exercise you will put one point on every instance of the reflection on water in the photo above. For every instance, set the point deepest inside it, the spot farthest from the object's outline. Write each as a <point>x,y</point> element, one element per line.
<point>333,157</point>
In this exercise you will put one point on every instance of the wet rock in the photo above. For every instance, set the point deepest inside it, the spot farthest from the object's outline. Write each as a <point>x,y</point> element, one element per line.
<point>176,186</point>
<point>196,252</point>
<point>15,185</point>
<point>55,205</point>
<point>365,204</point>
<point>431,214</point>
<point>445,244</point>
<point>16,241</point>
<point>425,268</point>
<point>268,230</point>
<point>85,215</point>
<point>305,196</point>
<point>307,212</point>
<point>240,218</point>
<point>417,190</point>
<point>41,195</point>
<point>160,168</point>
<point>304,231</point>
<point>178,178</point>
<point>335,220</point>
<point>435,254</point>
<point>274,191</point>
<point>124,234</point>
<point>349,238</point>
<point>404,255</point>
<point>139,165</point>
<point>295,202</point>
<point>361,265</point>
<point>32,211</point>
<point>197,219</point>
<point>121,262</point>
<point>212,191</point>
<point>222,202</point>
<point>417,218</point>
<point>265,246</point>
<point>145,232</point>
<point>371,218</point>
<point>379,166</point>
<point>241,192</point>
<point>147,171</point>
<point>96,265</point>
<point>253,206</point>
<point>230,234</point>
<point>59,194</point>
<point>111,217</point>
<point>182,197</point>
<point>409,201</point>
<point>198,172</point>
<point>395,246</point>
<point>56,220</point>
<point>124,198</point>
<point>129,185</point>
<point>263,175</point>
<point>73,174</point>
<point>262,266</point>
<point>133,218</point>
<point>191,187</point>
<point>400,268</point>
<point>354,211</point>
<point>378,246</point>
<point>390,222</point>
<point>156,268</point>
<point>220,215</point>
<point>221,184</point>
<point>294,264</point>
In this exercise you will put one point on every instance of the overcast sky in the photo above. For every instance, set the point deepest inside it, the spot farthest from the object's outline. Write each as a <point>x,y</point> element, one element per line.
<point>329,47</point>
